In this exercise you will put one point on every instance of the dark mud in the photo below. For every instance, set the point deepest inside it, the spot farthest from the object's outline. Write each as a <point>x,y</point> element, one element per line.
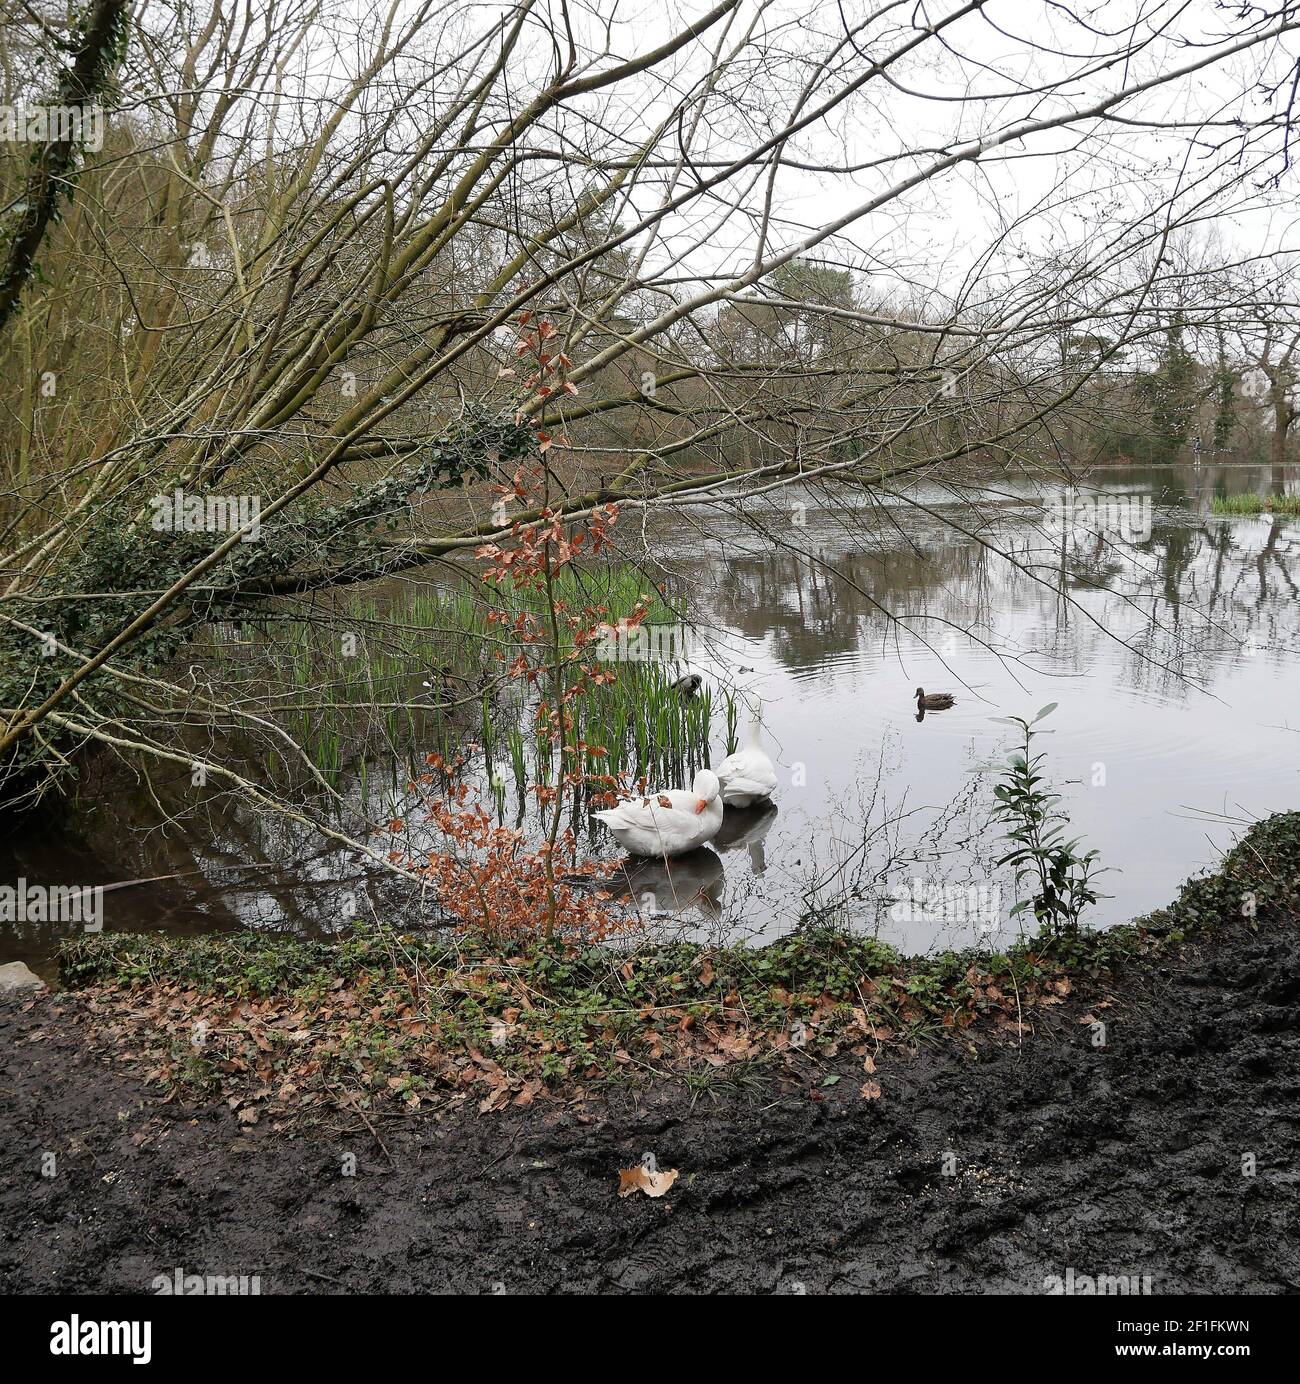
<point>1125,1160</point>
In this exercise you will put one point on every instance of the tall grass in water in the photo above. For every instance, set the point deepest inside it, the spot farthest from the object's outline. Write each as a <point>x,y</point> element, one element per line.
<point>648,728</point>
<point>733,717</point>
<point>1255,504</point>
<point>350,688</point>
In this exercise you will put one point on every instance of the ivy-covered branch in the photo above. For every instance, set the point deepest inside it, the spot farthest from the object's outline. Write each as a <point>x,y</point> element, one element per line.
<point>132,560</point>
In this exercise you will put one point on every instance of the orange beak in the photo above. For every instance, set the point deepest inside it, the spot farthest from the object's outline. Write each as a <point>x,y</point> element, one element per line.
<point>700,805</point>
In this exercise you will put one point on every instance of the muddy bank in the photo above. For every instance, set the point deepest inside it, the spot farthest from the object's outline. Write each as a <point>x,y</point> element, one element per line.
<point>994,1172</point>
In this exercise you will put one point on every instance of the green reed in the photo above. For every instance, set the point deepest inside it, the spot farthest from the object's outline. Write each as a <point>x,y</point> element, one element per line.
<point>347,685</point>
<point>1255,504</point>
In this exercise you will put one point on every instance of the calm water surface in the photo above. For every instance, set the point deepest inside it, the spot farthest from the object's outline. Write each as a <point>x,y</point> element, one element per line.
<point>1168,636</point>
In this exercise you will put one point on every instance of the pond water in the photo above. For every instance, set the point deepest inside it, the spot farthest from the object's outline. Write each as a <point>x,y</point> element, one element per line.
<point>1168,636</point>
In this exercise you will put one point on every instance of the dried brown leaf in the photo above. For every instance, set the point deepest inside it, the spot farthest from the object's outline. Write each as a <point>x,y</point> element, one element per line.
<point>639,1180</point>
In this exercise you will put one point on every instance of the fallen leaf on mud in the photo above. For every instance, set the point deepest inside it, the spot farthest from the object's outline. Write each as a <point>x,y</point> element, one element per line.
<point>248,1116</point>
<point>870,1090</point>
<point>499,1097</point>
<point>638,1179</point>
<point>529,1093</point>
<point>869,1065</point>
<point>736,1044</point>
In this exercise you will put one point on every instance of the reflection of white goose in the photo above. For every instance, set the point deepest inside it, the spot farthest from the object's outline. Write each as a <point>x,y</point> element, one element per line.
<point>748,776</point>
<point>669,823</point>
<point>694,879</point>
<point>748,827</point>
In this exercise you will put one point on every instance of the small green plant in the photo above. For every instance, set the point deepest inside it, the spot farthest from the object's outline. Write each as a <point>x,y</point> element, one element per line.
<point>1061,875</point>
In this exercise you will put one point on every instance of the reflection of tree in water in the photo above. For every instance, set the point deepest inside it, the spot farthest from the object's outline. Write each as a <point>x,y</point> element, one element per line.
<point>255,869</point>
<point>1181,603</point>
<point>1177,601</point>
<point>832,598</point>
<point>881,846</point>
<point>1236,579</point>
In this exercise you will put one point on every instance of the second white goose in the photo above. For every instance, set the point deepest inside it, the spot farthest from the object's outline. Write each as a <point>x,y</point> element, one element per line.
<point>748,776</point>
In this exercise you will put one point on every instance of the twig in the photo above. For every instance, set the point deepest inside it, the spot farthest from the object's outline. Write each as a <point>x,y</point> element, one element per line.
<point>365,1119</point>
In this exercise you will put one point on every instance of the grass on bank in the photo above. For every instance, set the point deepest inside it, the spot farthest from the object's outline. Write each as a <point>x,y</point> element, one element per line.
<point>384,1017</point>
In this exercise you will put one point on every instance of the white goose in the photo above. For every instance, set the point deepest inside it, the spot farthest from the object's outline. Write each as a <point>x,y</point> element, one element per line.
<point>668,823</point>
<point>748,776</point>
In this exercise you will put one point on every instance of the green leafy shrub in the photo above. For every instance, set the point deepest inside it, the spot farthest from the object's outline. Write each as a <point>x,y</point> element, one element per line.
<point>1061,875</point>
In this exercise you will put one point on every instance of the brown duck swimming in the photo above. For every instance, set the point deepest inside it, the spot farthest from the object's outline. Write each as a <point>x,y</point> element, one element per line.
<point>933,701</point>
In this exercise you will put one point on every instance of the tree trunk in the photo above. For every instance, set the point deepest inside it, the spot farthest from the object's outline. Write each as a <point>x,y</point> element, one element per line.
<point>54,168</point>
<point>1283,413</point>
